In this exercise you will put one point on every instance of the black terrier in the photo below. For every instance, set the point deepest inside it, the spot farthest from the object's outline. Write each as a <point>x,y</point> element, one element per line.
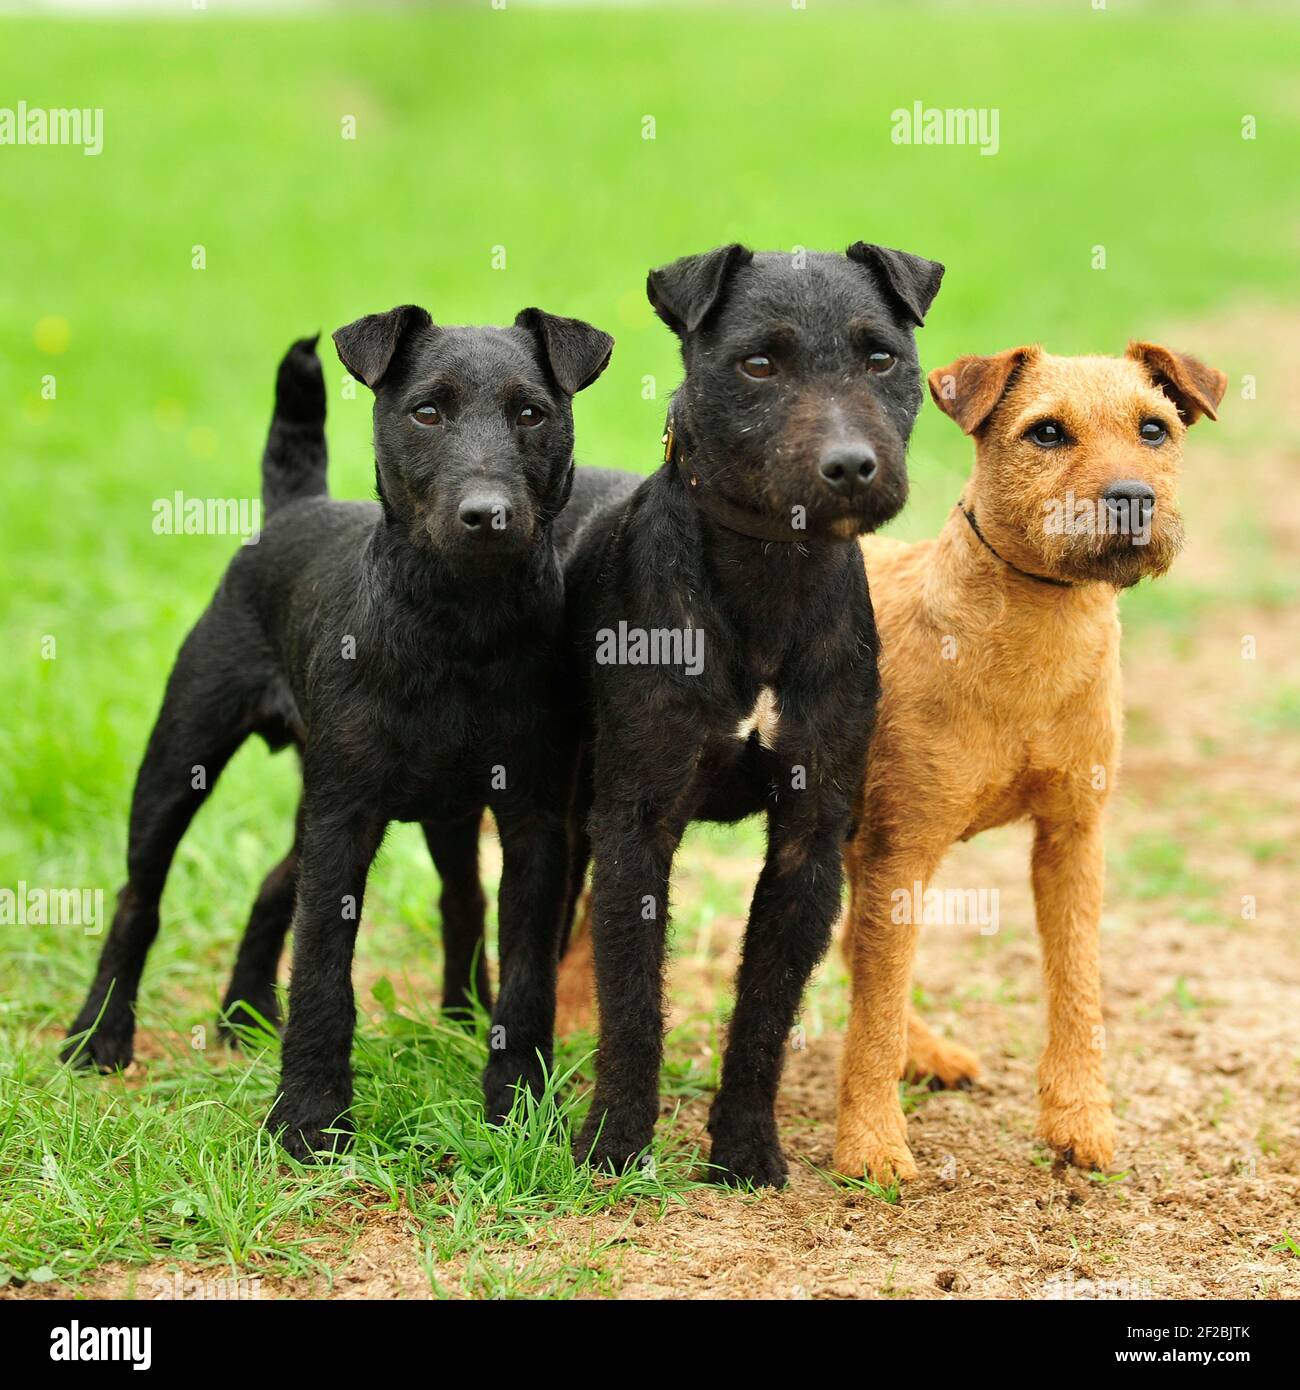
<point>725,636</point>
<point>410,651</point>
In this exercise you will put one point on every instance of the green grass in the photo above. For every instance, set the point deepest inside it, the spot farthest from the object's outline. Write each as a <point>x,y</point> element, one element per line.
<point>1279,712</point>
<point>1150,866</point>
<point>181,1170</point>
<point>478,129</point>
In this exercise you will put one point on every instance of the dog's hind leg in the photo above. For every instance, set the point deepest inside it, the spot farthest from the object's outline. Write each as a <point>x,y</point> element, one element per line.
<point>453,846</point>
<point>575,994</point>
<point>945,1065</point>
<point>575,1002</point>
<point>200,726</point>
<point>576,906</point>
<point>252,983</point>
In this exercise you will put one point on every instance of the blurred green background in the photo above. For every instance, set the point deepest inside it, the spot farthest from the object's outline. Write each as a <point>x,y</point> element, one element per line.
<point>522,129</point>
<point>478,129</point>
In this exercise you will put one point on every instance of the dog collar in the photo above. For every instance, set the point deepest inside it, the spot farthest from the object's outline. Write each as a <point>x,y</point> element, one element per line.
<point>726,514</point>
<point>1040,578</point>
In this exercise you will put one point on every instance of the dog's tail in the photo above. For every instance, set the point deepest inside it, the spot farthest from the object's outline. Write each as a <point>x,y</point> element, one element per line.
<point>294,463</point>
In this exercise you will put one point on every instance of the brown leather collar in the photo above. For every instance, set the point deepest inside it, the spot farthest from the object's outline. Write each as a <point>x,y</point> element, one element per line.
<point>734,518</point>
<point>1040,578</point>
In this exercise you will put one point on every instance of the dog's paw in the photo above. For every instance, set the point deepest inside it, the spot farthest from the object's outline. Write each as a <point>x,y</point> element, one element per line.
<point>109,1048</point>
<point>1083,1134</point>
<point>754,1158</point>
<point>875,1149</point>
<point>301,1130</point>
<point>947,1066</point>
<point>615,1148</point>
<point>746,1146</point>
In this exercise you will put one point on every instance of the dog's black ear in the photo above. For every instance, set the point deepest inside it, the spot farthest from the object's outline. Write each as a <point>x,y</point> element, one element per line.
<point>366,347</point>
<point>912,280</point>
<point>687,291</point>
<point>576,352</point>
<point>970,389</point>
<point>1194,388</point>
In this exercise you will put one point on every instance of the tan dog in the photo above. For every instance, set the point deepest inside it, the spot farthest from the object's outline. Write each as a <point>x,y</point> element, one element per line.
<point>1000,666</point>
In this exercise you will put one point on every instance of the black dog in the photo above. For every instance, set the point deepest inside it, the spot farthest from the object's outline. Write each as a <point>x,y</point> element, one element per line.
<point>734,567</point>
<point>409,650</point>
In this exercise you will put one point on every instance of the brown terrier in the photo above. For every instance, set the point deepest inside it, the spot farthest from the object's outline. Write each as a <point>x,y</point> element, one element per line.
<point>1000,646</point>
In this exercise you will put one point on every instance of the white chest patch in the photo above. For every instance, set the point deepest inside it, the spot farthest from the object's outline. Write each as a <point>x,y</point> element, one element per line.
<point>764,719</point>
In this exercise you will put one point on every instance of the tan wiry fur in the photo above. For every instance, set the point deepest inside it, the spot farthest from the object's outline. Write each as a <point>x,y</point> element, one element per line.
<point>1002,702</point>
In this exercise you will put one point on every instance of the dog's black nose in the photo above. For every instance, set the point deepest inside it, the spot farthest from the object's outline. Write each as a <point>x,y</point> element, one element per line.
<point>485,513</point>
<point>1130,502</point>
<point>848,468</point>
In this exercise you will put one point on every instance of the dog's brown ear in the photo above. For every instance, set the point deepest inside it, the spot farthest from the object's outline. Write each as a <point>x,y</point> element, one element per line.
<point>576,352</point>
<point>911,280</point>
<point>685,292</point>
<point>1193,387</point>
<point>971,387</point>
<point>366,347</point>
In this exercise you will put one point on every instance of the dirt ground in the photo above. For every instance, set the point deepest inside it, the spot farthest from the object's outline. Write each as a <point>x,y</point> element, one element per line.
<point>1202,1013</point>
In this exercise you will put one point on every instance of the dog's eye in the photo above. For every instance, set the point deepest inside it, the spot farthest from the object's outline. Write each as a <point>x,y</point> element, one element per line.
<point>426,415</point>
<point>1152,432</point>
<point>757,365</point>
<point>878,363</point>
<point>1047,434</point>
<point>530,417</point>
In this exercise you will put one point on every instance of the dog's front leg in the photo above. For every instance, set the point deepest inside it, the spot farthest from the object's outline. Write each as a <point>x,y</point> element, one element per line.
<point>633,848</point>
<point>1074,1105</point>
<point>316,1067</point>
<point>791,919</point>
<point>534,887</point>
